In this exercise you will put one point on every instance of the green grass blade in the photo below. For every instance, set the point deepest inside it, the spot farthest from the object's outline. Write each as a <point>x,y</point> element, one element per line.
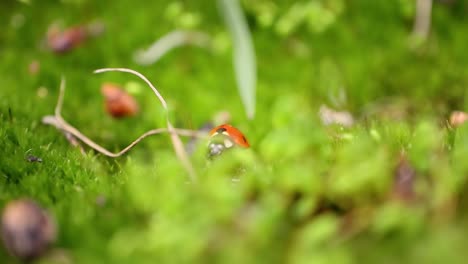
<point>244,53</point>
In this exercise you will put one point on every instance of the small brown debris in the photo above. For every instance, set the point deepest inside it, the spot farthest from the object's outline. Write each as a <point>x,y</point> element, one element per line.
<point>66,40</point>
<point>32,158</point>
<point>330,116</point>
<point>457,118</point>
<point>26,230</point>
<point>403,188</point>
<point>118,103</point>
<point>34,67</point>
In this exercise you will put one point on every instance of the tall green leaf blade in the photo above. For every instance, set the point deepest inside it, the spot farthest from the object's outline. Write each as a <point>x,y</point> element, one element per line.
<point>244,54</point>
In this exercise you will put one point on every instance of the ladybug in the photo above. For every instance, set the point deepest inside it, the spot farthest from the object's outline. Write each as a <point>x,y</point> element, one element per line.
<point>232,133</point>
<point>225,136</point>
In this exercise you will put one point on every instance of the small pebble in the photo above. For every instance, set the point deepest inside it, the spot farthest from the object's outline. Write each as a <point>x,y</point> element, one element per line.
<point>27,230</point>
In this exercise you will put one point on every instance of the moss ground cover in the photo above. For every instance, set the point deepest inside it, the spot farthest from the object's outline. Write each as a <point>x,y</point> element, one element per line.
<point>306,192</point>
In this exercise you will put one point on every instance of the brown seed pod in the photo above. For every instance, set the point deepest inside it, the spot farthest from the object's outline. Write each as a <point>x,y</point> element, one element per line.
<point>26,229</point>
<point>118,103</point>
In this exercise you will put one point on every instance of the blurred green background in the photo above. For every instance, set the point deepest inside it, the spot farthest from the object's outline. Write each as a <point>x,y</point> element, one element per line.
<point>306,192</point>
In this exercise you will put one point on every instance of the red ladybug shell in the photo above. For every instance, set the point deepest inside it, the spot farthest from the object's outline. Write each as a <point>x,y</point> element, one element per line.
<point>233,133</point>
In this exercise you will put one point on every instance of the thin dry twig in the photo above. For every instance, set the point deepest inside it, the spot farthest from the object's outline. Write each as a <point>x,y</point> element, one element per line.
<point>70,131</point>
<point>58,121</point>
<point>176,142</point>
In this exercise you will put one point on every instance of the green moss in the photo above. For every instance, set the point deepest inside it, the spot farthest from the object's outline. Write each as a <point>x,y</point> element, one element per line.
<point>303,191</point>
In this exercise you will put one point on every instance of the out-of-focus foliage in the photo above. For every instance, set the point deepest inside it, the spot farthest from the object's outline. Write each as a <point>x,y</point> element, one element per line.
<point>392,188</point>
<point>315,15</point>
<point>245,66</point>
